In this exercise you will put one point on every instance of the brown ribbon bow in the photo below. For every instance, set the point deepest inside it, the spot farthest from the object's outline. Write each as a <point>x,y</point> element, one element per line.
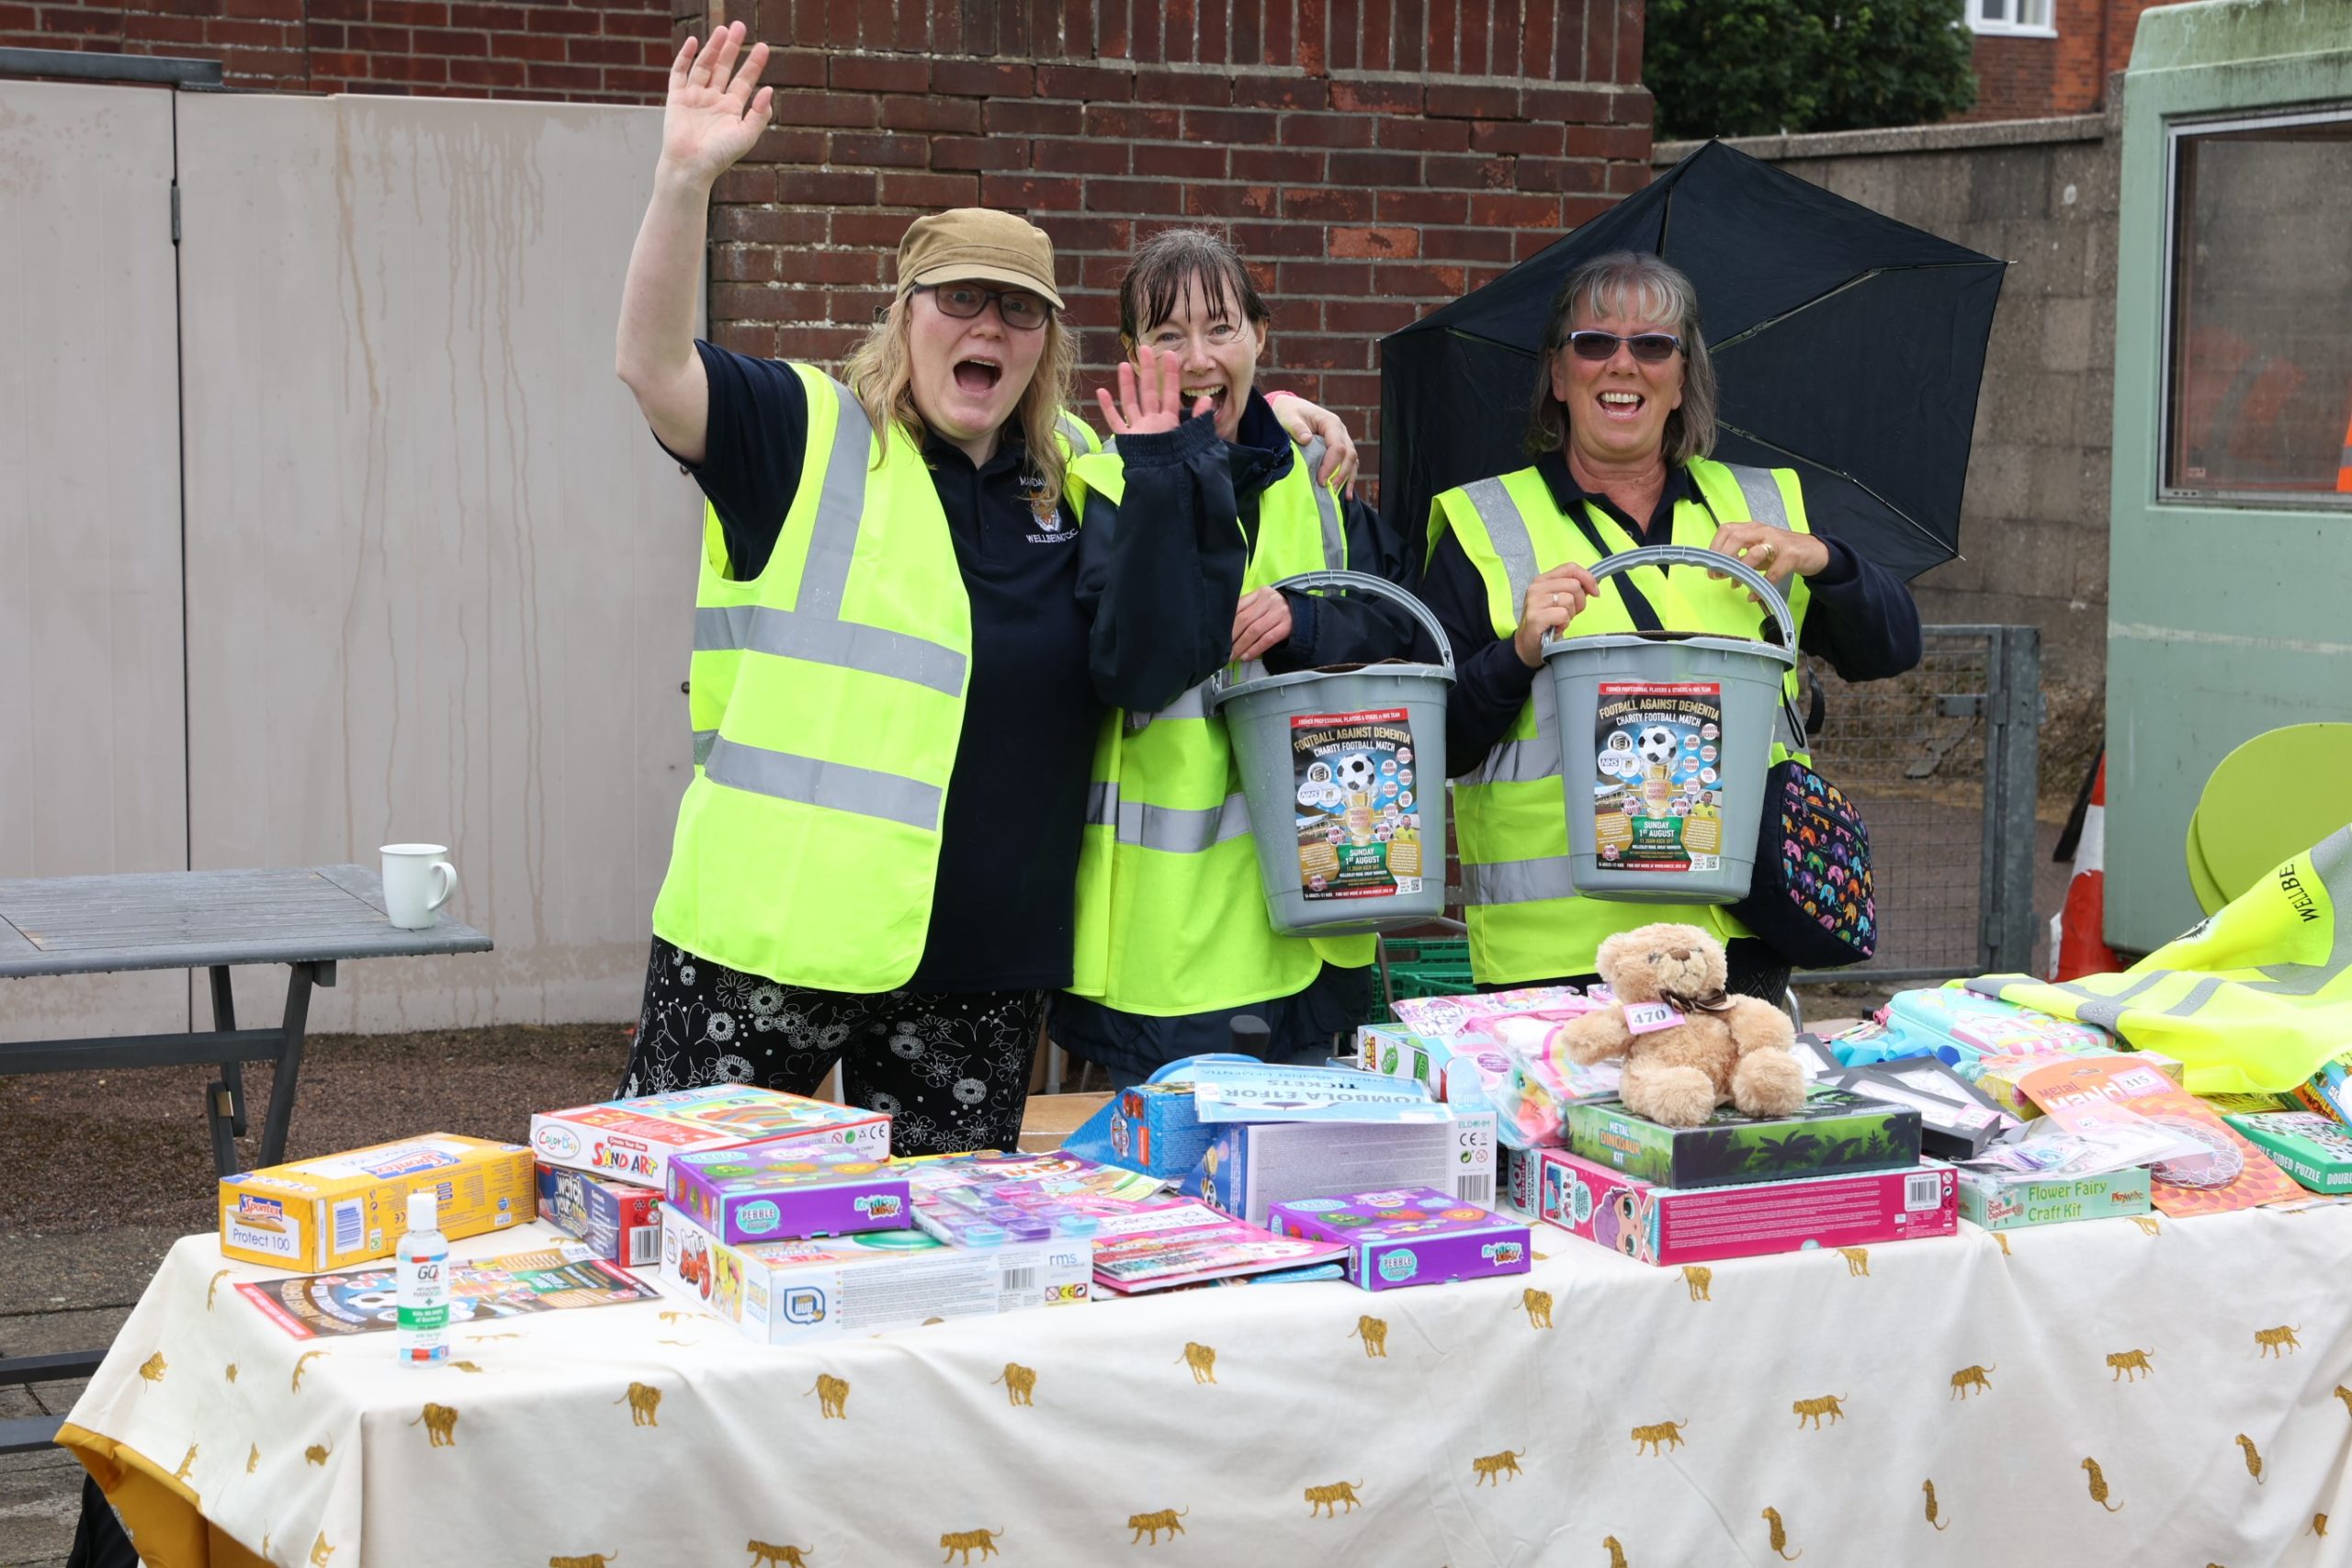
<point>1717,1000</point>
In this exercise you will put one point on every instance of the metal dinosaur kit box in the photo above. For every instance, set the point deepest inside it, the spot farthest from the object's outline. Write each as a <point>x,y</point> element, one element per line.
<point>633,1140</point>
<point>775,1192</point>
<point>1409,1235</point>
<point>337,1210</point>
<point>1665,1226</point>
<point>1834,1131</point>
<point>790,1292</point>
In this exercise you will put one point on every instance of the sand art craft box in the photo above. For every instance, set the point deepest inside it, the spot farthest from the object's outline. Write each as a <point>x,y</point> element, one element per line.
<point>775,1192</point>
<point>634,1140</point>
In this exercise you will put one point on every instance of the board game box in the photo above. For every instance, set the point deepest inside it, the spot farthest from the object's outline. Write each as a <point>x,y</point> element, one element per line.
<point>363,1300</point>
<point>1410,1235</point>
<point>1664,1227</point>
<point>2311,1147</point>
<point>783,1292</point>
<point>620,1223</point>
<point>338,1210</point>
<point>634,1139</point>
<point>1834,1131</point>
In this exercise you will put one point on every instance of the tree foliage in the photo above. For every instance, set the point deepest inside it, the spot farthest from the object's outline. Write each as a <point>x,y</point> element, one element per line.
<point>1755,67</point>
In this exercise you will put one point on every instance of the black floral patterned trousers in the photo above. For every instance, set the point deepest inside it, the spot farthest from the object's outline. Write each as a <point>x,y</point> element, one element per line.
<point>950,1069</point>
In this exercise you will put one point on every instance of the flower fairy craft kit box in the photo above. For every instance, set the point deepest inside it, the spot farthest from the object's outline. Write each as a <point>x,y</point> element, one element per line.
<point>788,1292</point>
<point>621,1224</point>
<point>341,1209</point>
<point>1665,1226</point>
<point>2313,1149</point>
<point>775,1192</point>
<point>1408,1235</point>
<point>2005,1205</point>
<point>633,1140</point>
<point>1835,1131</point>
<point>2221,1170</point>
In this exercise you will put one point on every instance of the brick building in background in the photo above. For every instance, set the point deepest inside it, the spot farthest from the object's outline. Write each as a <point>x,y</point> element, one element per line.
<point>2038,58</point>
<point>1372,158</point>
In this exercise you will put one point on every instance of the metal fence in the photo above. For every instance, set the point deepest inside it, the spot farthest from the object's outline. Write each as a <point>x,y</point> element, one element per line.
<point>1942,765</point>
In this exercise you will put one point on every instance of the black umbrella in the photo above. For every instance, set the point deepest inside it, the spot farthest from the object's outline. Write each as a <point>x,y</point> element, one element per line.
<point>1849,347</point>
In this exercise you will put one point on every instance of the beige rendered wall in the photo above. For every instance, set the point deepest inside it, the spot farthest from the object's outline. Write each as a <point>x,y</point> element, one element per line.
<point>92,773</point>
<point>2041,194</point>
<point>439,578</point>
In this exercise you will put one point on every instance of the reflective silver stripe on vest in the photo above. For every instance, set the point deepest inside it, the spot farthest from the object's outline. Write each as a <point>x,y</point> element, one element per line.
<point>1075,434</point>
<point>836,786</point>
<point>1516,881</point>
<point>1191,703</point>
<point>846,645</point>
<point>840,507</point>
<point>1507,531</point>
<point>1171,829</point>
<point>1765,503</point>
<point>1537,758</point>
<point>704,741</point>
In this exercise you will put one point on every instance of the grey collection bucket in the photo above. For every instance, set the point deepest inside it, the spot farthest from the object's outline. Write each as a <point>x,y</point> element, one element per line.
<point>1664,742</point>
<point>1344,772</point>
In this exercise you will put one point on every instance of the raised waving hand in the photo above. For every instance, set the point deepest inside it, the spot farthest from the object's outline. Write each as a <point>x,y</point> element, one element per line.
<point>713,115</point>
<point>1153,403</point>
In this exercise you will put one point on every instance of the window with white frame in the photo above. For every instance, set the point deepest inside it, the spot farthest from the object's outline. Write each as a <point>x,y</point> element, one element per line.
<point>2029,17</point>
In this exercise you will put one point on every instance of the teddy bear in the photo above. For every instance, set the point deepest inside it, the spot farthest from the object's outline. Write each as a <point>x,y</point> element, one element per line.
<point>1712,1049</point>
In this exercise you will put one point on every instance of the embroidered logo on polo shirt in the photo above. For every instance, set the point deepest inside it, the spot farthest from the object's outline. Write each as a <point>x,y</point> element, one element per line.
<point>1048,516</point>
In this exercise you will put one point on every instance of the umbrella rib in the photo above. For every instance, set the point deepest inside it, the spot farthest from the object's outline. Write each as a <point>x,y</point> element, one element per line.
<point>1854,282</point>
<point>1921,528</point>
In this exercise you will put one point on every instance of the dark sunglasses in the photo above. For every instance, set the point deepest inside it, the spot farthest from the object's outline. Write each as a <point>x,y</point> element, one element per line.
<point>1650,348</point>
<point>1017,308</point>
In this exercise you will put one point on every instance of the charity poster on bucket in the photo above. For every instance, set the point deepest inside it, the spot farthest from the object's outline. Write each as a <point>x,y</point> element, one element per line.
<point>1359,813</point>
<point>1658,803</point>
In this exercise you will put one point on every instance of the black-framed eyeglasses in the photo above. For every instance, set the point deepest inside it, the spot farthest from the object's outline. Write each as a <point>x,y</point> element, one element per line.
<point>1017,308</point>
<point>1650,348</point>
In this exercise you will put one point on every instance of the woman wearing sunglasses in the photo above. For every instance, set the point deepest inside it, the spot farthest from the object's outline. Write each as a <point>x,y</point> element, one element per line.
<point>1620,427</point>
<point>892,697</point>
<point>1173,937</point>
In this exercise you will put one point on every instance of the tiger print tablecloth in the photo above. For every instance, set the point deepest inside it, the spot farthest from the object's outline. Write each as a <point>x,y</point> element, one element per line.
<point>2106,1393</point>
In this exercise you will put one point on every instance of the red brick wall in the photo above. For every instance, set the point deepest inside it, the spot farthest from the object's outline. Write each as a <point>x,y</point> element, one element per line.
<point>595,51</point>
<point>2028,78</point>
<point>1372,158</point>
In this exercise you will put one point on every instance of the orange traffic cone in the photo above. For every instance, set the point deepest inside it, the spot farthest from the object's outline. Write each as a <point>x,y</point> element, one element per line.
<point>2344,465</point>
<point>2077,940</point>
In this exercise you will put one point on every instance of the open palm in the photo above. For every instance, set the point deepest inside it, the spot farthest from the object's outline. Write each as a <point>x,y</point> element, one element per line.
<point>712,117</point>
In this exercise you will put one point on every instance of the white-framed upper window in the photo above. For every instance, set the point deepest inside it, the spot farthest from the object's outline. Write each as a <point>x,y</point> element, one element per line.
<point>2029,19</point>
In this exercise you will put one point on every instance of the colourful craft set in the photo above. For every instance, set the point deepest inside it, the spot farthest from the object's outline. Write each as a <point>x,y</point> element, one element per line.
<point>1414,1236</point>
<point>771,1192</point>
<point>634,1140</point>
<point>1664,1226</point>
<point>338,1210</point>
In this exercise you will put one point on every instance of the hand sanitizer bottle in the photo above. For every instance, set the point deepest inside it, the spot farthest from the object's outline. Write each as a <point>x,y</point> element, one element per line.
<point>421,1292</point>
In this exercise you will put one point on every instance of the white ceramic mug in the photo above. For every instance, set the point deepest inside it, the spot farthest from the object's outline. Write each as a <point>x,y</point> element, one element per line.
<point>411,875</point>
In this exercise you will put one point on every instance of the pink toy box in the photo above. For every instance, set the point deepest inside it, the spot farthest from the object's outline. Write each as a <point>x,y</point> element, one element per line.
<point>775,1192</point>
<point>1660,1225</point>
<point>621,1223</point>
<point>1410,1235</point>
<point>633,1140</point>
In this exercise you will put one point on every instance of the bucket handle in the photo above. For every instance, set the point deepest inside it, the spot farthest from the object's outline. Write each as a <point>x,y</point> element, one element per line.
<point>1379,586</point>
<point>1711,561</point>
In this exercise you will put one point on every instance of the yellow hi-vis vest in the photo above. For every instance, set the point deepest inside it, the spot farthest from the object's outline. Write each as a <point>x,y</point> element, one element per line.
<point>1511,815</point>
<point>1171,910</point>
<point>827,698</point>
<point>2253,1000</point>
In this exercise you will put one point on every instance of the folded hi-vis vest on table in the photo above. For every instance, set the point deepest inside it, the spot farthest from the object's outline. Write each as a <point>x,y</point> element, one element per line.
<point>2255,1000</point>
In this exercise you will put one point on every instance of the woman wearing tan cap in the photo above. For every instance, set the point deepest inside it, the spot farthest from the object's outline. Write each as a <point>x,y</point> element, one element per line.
<point>893,693</point>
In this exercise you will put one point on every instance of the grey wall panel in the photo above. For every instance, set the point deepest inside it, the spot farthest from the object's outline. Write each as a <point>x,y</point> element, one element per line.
<point>440,579</point>
<point>93,774</point>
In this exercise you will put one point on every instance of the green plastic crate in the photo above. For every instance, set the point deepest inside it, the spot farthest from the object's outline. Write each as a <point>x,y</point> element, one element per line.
<point>1427,966</point>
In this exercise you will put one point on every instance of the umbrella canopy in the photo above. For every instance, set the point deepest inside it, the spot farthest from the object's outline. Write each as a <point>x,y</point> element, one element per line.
<point>1848,346</point>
